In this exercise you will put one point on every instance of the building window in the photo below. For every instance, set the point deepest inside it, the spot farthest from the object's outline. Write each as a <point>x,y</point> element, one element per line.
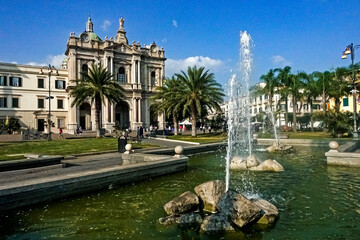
<point>59,84</point>
<point>61,123</point>
<point>15,82</point>
<point>41,103</point>
<point>41,83</point>
<point>84,70</point>
<point>306,107</point>
<point>3,81</point>
<point>60,103</point>
<point>260,109</point>
<point>15,102</point>
<point>153,80</point>
<point>121,75</point>
<point>345,102</point>
<point>3,102</point>
<point>255,110</point>
<point>266,96</point>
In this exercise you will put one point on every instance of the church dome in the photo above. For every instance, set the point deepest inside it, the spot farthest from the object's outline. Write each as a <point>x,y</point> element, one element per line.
<point>93,36</point>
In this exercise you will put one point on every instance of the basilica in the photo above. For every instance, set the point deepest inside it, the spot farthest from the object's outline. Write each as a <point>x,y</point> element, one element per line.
<point>25,90</point>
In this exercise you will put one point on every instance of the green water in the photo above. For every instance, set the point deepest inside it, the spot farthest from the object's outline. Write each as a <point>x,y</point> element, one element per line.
<point>315,201</point>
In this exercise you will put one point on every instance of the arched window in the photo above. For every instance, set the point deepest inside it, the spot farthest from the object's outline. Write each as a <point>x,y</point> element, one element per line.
<point>121,75</point>
<point>153,80</point>
<point>84,69</point>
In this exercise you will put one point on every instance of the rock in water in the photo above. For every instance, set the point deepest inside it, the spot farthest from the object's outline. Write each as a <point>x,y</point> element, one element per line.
<point>269,165</point>
<point>184,203</point>
<point>238,163</point>
<point>217,222</point>
<point>169,220</point>
<point>251,161</point>
<point>190,220</point>
<point>240,210</point>
<point>210,193</point>
<point>271,212</point>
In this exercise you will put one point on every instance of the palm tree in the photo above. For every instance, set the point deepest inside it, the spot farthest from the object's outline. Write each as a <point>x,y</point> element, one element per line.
<point>167,99</point>
<point>96,85</point>
<point>284,80</point>
<point>323,79</point>
<point>199,90</point>
<point>312,89</point>
<point>294,88</point>
<point>339,85</point>
<point>271,85</point>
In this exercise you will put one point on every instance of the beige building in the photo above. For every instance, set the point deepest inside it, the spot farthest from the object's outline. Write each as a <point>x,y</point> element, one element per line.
<point>139,69</point>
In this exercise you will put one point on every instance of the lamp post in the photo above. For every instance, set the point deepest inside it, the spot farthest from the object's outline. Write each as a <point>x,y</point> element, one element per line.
<point>350,49</point>
<point>50,69</point>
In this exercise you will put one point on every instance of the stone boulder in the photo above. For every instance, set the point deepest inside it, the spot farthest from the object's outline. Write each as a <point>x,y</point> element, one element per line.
<point>217,222</point>
<point>268,165</point>
<point>238,163</point>
<point>279,148</point>
<point>210,193</point>
<point>169,220</point>
<point>251,161</point>
<point>190,220</point>
<point>240,210</point>
<point>271,212</point>
<point>184,203</point>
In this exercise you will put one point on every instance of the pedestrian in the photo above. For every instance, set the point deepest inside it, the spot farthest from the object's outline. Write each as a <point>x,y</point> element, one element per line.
<point>137,132</point>
<point>204,130</point>
<point>151,128</point>
<point>141,132</point>
<point>180,128</point>
<point>209,129</point>
<point>60,133</point>
<point>80,130</point>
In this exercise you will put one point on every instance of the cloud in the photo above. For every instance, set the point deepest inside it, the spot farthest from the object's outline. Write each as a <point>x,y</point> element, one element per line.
<point>174,23</point>
<point>56,60</point>
<point>164,40</point>
<point>53,60</point>
<point>106,24</point>
<point>176,65</point>
<point>280,61</point>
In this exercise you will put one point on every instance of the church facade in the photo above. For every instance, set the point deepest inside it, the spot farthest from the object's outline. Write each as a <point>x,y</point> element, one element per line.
<point>139,69</point>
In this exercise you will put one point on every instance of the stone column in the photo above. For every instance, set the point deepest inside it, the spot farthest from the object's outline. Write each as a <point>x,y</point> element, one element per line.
<point>138,73</point>
<point>133,71</point>
<point>111,65</point>
<point>73,65</point>
<point>139,110</point>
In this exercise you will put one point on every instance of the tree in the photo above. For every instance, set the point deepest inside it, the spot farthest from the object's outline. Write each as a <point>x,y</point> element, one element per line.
<point>272,84</point>
<point>199,90</point>
<point>96,85</point>
<point>339,85</point>
<point>312,89</point>
<point>284,80</point>
<point>294,87</point>
<point>168,100</point>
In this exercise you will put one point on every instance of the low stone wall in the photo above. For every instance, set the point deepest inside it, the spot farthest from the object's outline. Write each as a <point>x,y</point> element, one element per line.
<point>303,142</point>
<point>21,194</point>
<point>344,155</point>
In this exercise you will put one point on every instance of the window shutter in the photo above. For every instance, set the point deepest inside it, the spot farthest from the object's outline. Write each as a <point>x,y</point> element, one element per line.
<point>10,81</point>
<point>20,82</point>
<point>5,102</point>
<point>64,85</point>
<point>5,80</point>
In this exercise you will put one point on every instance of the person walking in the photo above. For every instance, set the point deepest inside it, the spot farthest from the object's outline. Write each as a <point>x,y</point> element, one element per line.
<point>60,133</point>
<point>141,130</point>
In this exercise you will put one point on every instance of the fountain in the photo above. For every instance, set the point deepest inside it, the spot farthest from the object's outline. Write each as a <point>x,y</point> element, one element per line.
<point>239,127</point>
<point>276,147</point>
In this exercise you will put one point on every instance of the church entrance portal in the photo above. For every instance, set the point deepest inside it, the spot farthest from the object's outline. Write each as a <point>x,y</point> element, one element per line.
<point>122,115</point>
<point>85,116</point>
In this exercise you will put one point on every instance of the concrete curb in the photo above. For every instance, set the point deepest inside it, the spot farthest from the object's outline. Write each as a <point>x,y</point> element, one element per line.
<point>179,141</point>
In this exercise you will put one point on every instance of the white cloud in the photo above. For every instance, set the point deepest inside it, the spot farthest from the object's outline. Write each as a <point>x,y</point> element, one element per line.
<point>174,23</point>
<point>164,40</point>
<point>56,60</point>
<point>106,24</point>
<point>53,60</point>
<point>280,61</point>
<point>176,65</point>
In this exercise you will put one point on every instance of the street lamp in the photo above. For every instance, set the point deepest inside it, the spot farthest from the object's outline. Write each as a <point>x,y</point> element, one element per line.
<point>350,49</point>
<point>50,69</point>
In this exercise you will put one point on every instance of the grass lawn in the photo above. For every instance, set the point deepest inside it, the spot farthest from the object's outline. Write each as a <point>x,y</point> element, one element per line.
<point>301,135</point>
<point>16,150</point>
<point>202,138</point>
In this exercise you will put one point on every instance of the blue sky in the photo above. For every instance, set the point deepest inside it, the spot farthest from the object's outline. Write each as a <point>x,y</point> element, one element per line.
<point>308,35</point>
